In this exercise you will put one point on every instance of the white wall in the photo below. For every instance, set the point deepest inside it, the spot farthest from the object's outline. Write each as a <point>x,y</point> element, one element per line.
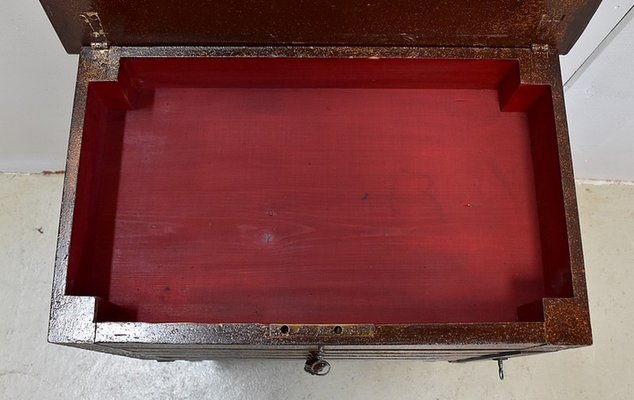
<point>37,81</point>
<point>609,13</point>
<point>600,103</point>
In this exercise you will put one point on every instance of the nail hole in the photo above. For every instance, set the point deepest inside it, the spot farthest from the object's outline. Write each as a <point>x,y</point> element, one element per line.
<point>338,329</point>
<point>284,329</point>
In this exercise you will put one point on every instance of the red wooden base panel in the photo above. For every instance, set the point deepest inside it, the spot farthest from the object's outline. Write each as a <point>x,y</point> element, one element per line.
<point>318,191</point>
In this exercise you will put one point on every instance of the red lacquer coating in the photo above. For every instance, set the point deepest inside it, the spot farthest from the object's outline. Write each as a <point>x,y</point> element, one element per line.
<point>343,201</point>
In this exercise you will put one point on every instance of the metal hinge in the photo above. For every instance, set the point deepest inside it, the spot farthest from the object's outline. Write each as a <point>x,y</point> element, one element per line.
<point>540,48</point>
<point>98,39</point>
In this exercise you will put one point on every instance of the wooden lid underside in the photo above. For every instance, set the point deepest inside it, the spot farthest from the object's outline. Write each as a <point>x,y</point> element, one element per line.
<point>478,23</point>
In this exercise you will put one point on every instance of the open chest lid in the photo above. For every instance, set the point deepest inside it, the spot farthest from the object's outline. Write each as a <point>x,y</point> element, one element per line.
<point>472,23</point>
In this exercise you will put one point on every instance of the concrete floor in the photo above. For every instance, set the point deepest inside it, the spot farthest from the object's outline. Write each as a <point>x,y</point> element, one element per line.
<point>30,368</point>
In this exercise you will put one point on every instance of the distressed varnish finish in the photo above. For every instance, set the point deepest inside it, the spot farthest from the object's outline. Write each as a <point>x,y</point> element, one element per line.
<point>566,320</point>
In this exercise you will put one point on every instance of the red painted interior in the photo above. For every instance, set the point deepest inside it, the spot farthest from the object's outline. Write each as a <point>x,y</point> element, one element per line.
<point>318,191</point>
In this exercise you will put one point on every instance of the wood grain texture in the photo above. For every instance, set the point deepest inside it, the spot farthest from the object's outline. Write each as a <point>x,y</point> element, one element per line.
<point>315,205</point>
<point>483,23</point>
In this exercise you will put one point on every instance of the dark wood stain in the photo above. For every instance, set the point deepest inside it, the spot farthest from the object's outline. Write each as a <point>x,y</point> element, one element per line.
<point>483,23</point>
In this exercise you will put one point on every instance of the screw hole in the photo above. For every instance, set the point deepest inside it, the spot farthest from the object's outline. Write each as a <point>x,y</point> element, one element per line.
<point>284,329</point>
<point>338,329</point>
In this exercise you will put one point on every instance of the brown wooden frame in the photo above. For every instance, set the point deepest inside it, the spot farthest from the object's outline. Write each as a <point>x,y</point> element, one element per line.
<point>566,321</point>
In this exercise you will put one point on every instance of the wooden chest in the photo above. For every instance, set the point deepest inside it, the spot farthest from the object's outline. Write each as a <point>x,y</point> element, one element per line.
<point>328,179</point>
